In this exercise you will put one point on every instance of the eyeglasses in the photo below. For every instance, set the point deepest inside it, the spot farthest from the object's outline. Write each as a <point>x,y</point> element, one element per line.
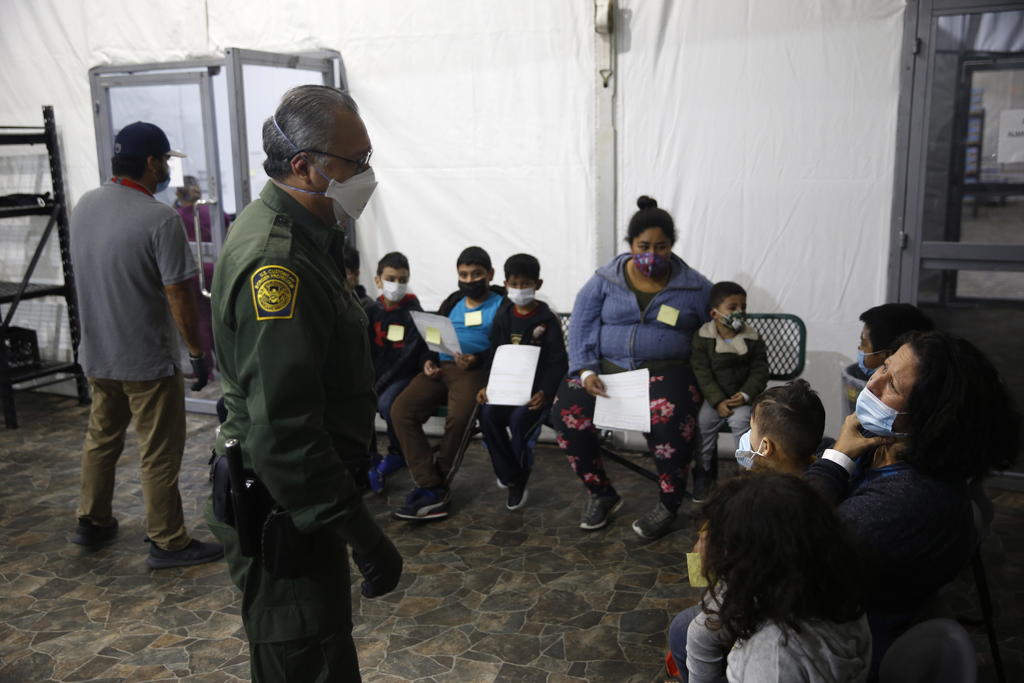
<point>361,164</point>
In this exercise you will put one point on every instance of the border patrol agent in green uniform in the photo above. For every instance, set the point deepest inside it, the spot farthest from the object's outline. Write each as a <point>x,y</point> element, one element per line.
<point>298,386</point>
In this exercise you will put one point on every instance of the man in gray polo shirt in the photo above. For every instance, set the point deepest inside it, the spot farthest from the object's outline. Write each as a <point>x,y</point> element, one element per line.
<point>135,295</point>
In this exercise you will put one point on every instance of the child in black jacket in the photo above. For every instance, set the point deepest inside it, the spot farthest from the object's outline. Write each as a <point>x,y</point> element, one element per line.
<point>522,320</point>
<point>395,348</point>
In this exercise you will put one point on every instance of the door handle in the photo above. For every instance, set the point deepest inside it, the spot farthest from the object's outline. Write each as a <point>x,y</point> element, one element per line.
<point>199,243</point>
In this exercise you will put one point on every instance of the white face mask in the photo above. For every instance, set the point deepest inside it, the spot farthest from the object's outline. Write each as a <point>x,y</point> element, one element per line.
<point>350,197</point>
<point>875,416</point>
<point>521,297</point>
<point>394,291</point>
<point>744,455</point>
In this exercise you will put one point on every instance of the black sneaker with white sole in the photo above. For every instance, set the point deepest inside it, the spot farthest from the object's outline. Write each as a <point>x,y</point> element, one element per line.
<point>597,509</point>
<point>517,496</point>
<point>655,523</point>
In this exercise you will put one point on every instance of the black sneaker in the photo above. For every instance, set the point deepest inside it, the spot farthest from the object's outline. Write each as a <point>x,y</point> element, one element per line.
<point>196,552</point>
<point>597,509</point>
<point>517,496</point>
<point>704,479</point>
<point>93,535</point>
<point>655,523</point>
<point>703,482</point>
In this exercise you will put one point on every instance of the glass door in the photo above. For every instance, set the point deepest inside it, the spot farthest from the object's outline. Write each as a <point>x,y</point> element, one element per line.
<point>182,104</point>
<point>960,248</point>
<point>213,110</point>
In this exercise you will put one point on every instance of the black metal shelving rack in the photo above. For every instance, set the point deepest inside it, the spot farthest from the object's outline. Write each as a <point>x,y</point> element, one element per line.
<point>13,293</point>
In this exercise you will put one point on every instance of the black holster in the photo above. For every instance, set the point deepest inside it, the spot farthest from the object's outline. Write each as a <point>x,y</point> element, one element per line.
<point>265,530</point>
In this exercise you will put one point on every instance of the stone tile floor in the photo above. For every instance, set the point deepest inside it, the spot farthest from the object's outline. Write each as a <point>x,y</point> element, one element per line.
<point>488,595</point>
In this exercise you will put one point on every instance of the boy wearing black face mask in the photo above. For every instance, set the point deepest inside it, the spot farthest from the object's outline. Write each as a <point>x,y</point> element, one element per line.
<point>447,380</point>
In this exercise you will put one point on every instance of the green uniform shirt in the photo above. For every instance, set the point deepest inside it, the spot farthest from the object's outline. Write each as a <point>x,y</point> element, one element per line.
<point>295,367</point>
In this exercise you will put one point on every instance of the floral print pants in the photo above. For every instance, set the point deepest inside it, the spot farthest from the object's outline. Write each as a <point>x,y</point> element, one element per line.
<point>673,439</point>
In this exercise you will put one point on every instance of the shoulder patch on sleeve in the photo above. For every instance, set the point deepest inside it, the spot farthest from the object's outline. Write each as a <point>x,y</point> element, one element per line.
<point>275,291</point>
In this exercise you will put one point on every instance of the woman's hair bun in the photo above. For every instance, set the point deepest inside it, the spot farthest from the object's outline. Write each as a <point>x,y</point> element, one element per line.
<point>645,202</point>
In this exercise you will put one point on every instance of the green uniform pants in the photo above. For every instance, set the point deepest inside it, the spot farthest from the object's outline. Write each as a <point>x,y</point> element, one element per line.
<point>159,409</point>
<point>330,659</point>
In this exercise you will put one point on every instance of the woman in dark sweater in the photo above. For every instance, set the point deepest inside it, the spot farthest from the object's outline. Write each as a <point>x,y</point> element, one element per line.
<point>934,416</point>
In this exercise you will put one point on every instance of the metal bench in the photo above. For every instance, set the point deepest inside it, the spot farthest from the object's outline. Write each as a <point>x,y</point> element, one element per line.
<point>785,336</point>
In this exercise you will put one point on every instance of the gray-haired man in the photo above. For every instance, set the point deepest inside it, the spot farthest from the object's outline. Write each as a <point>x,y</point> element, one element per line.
<point>298,386</point>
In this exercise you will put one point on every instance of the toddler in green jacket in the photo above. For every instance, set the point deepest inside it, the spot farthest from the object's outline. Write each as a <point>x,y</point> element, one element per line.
<point>731,365</point>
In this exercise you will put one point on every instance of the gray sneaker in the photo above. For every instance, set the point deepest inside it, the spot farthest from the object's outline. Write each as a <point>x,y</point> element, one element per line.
<point>597,510</point>
<point>196,552</point>
<point>655,523</point>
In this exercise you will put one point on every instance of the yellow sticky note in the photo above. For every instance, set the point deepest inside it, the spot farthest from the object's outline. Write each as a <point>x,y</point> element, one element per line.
<point>474,318</point>
<point>668,315</point>
<point>433,335</point>
<point>396,333</point>
<point>695,568</point>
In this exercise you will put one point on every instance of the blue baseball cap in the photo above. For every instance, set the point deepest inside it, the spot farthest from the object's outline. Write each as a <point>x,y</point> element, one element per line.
<point>141,139</point>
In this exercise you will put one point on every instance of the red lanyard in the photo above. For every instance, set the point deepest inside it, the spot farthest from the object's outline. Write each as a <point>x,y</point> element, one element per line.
<point>128,182</point>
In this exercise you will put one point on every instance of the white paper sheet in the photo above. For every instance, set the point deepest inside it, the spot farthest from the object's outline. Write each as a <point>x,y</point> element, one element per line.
<point>437,331</point>
<point>512,372</point>
<point>628,405</point>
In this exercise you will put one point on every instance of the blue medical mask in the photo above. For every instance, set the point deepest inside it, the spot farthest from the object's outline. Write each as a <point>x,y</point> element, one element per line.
<point>744,454</point>
<point>861,357</point>
<point>875,416</point>
<point>163,185</point>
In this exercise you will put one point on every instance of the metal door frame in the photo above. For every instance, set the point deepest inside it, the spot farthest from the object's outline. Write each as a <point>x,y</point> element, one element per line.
<point>908,253</point>
<point>201,79</point>
<point>200,72</point>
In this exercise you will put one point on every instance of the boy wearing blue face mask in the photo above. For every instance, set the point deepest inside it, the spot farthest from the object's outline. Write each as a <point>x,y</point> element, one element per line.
<point>786,426</point>
<point>883,325</point>
<point>395,349</point>
<point>730,362</point>
<point>522,320</point>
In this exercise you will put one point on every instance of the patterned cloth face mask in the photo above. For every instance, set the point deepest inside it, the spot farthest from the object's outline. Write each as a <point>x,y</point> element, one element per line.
<point>650,264</point>
<point>734,321</point>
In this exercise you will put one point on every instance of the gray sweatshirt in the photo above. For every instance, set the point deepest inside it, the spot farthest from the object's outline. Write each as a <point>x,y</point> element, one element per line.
<point>823,652</point>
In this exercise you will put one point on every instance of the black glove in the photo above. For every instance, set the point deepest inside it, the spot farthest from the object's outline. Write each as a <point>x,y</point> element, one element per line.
<point>201,370</point>
<point>381,568</point>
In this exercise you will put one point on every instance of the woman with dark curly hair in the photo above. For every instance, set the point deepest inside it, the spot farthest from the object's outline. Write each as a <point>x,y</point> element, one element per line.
<point>784,600</point>
<point>934,417</point>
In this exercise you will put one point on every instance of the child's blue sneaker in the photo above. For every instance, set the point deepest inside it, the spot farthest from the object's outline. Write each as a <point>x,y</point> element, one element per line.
<point>374,476</point>
<point>424,504</point>
<point>390,463</point>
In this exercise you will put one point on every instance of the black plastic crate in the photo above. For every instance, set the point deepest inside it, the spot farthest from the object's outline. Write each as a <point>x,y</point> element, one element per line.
<point>22,347</point>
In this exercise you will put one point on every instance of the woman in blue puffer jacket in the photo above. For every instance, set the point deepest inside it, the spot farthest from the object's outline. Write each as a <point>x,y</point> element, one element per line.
<point>638,311</point>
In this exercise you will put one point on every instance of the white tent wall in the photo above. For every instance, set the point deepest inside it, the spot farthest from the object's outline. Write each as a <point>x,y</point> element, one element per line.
<point>767,129</point>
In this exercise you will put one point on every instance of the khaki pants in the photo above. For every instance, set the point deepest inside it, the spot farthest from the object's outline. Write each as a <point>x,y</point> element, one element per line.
<point>418,402</point>
<point>159,409</point>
